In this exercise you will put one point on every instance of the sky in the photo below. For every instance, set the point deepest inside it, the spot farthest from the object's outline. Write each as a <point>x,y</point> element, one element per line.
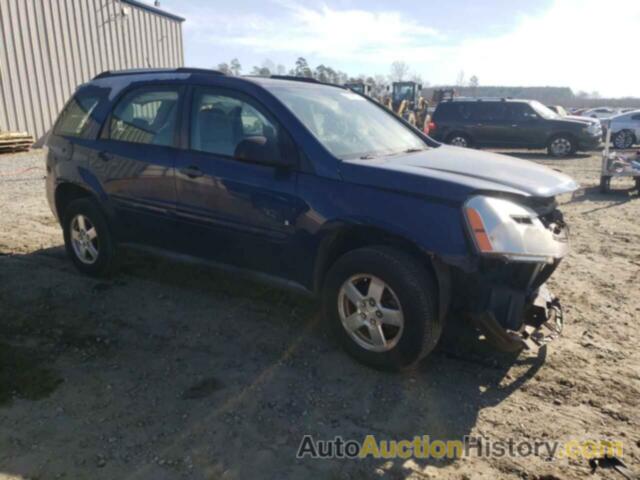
<point>588,45</point>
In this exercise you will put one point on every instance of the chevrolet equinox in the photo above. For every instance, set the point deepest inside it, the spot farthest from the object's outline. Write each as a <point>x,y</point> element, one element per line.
<point>315,187</point>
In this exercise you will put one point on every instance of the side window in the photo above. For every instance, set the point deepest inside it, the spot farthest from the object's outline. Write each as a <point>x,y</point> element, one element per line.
<point>636,117</point>
<point>145,116</point>
<point>76,118</point>
<point>219,122</point>
<point>490,111</point>
<point>452,111</point>
<point>521,112</point>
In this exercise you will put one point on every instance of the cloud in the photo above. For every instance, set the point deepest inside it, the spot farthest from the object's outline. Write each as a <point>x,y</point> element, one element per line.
<point>585,44</point>
<point>323,32</point>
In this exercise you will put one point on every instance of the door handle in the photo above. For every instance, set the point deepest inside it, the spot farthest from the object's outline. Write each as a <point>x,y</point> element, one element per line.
<point>515,125</point>
<point>191,171</point>
<point>104,156</point>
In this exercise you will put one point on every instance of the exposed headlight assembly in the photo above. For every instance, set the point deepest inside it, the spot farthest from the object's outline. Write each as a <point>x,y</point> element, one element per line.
<point>505,229</point>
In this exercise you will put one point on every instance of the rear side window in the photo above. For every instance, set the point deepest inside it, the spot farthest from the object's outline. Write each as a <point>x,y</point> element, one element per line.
<point>76,119</point>
<point>145,116</point>
<point>490,111</point>
<point>453,111</point>
<point>636,117</point>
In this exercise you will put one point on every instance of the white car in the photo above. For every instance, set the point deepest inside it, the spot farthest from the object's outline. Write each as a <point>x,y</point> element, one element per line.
<point>625,129</point>
<point>601,112</point>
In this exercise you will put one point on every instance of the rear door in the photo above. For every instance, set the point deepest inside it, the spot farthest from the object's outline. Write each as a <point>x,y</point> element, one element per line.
<point>490,124</point>
<point>135,159</point>
<point>229,210</point>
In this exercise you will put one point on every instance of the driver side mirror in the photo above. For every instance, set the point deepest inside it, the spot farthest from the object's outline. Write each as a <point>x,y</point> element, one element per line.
<point>262,151</point>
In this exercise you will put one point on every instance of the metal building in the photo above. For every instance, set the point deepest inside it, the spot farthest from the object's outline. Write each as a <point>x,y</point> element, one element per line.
<point>49,47</point>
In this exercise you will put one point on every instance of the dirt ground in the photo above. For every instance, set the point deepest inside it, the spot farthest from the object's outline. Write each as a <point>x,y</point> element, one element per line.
<point>176,371</point>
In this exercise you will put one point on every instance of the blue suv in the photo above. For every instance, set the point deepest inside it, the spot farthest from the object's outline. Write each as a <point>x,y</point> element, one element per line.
<point>314,187</point>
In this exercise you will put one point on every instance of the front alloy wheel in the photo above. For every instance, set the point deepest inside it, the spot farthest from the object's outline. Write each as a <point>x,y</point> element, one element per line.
<point>382,304</point>
<point>370,313</point>
<point>623,140</point>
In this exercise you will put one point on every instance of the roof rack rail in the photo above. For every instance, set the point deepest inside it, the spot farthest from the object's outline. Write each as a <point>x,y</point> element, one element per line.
<point>134,71</point>
<point>295,79</point>
<point>478,99</point>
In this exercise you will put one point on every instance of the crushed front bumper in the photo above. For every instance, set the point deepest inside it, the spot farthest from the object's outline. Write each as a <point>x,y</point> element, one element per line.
<point>509,303</point>
<point>543,322</point>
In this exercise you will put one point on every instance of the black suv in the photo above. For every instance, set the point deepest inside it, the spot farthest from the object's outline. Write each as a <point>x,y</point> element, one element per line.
<point>513,124</point>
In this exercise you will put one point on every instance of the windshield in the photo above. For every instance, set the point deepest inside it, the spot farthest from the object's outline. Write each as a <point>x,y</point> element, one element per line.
<point>346,124</point>
<point>543,111</point>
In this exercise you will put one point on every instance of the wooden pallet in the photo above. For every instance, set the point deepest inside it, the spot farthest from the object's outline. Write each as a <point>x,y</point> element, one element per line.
<point>15,141</point>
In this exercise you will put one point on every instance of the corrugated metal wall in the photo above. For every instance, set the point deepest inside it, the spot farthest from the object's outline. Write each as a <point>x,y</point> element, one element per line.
<point>49,47</point>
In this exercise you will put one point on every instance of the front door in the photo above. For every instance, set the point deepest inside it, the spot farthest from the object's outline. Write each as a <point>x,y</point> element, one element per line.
<point>527,128</point>
<point>234,211</point>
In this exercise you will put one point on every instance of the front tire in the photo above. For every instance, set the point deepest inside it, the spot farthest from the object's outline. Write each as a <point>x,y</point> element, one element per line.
<point>623,140</point>
<point>382,306</point>
<point>88,239</point>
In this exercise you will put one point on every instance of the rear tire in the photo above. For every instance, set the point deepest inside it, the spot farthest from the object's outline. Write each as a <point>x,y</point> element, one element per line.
<point>88,238</point>
<point>459,140</point>
<point>408,288</point>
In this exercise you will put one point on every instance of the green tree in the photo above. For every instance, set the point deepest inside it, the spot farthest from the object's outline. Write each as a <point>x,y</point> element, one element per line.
<point>224,68</point>
<point>235,67</point>
<point>302,68</point>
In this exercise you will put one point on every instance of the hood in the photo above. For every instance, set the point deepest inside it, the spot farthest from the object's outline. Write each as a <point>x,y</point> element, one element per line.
<point>583,119</point>
<point>453,173</point>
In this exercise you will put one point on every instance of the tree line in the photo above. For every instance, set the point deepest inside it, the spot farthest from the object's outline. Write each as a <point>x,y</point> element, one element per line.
<point>400,71</point>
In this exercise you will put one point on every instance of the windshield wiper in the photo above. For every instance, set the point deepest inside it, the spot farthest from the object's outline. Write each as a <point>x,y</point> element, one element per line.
<point>367,156</point>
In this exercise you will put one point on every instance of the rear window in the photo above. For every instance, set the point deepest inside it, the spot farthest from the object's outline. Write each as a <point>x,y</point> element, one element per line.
<point>76,119</point>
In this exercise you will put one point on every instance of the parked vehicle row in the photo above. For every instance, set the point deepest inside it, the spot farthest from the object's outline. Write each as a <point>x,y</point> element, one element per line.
<point>512,124</point>
<point>315,187</point>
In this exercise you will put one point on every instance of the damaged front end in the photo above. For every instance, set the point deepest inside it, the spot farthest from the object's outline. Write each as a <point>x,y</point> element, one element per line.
<point>520,243</point>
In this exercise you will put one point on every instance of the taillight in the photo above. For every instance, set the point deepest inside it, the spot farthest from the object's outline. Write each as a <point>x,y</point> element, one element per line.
<point>431,127</point>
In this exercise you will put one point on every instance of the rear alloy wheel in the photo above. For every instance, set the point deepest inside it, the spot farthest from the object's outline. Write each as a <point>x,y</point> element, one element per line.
<point>458,140</point>
<point>88,239</point>
<point>623,140</point>
<point>561,146</point>
<point>381,303</point>
<point>84,239</point>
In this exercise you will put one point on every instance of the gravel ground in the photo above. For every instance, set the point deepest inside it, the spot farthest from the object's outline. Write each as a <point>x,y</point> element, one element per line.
<point>176,371</point>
